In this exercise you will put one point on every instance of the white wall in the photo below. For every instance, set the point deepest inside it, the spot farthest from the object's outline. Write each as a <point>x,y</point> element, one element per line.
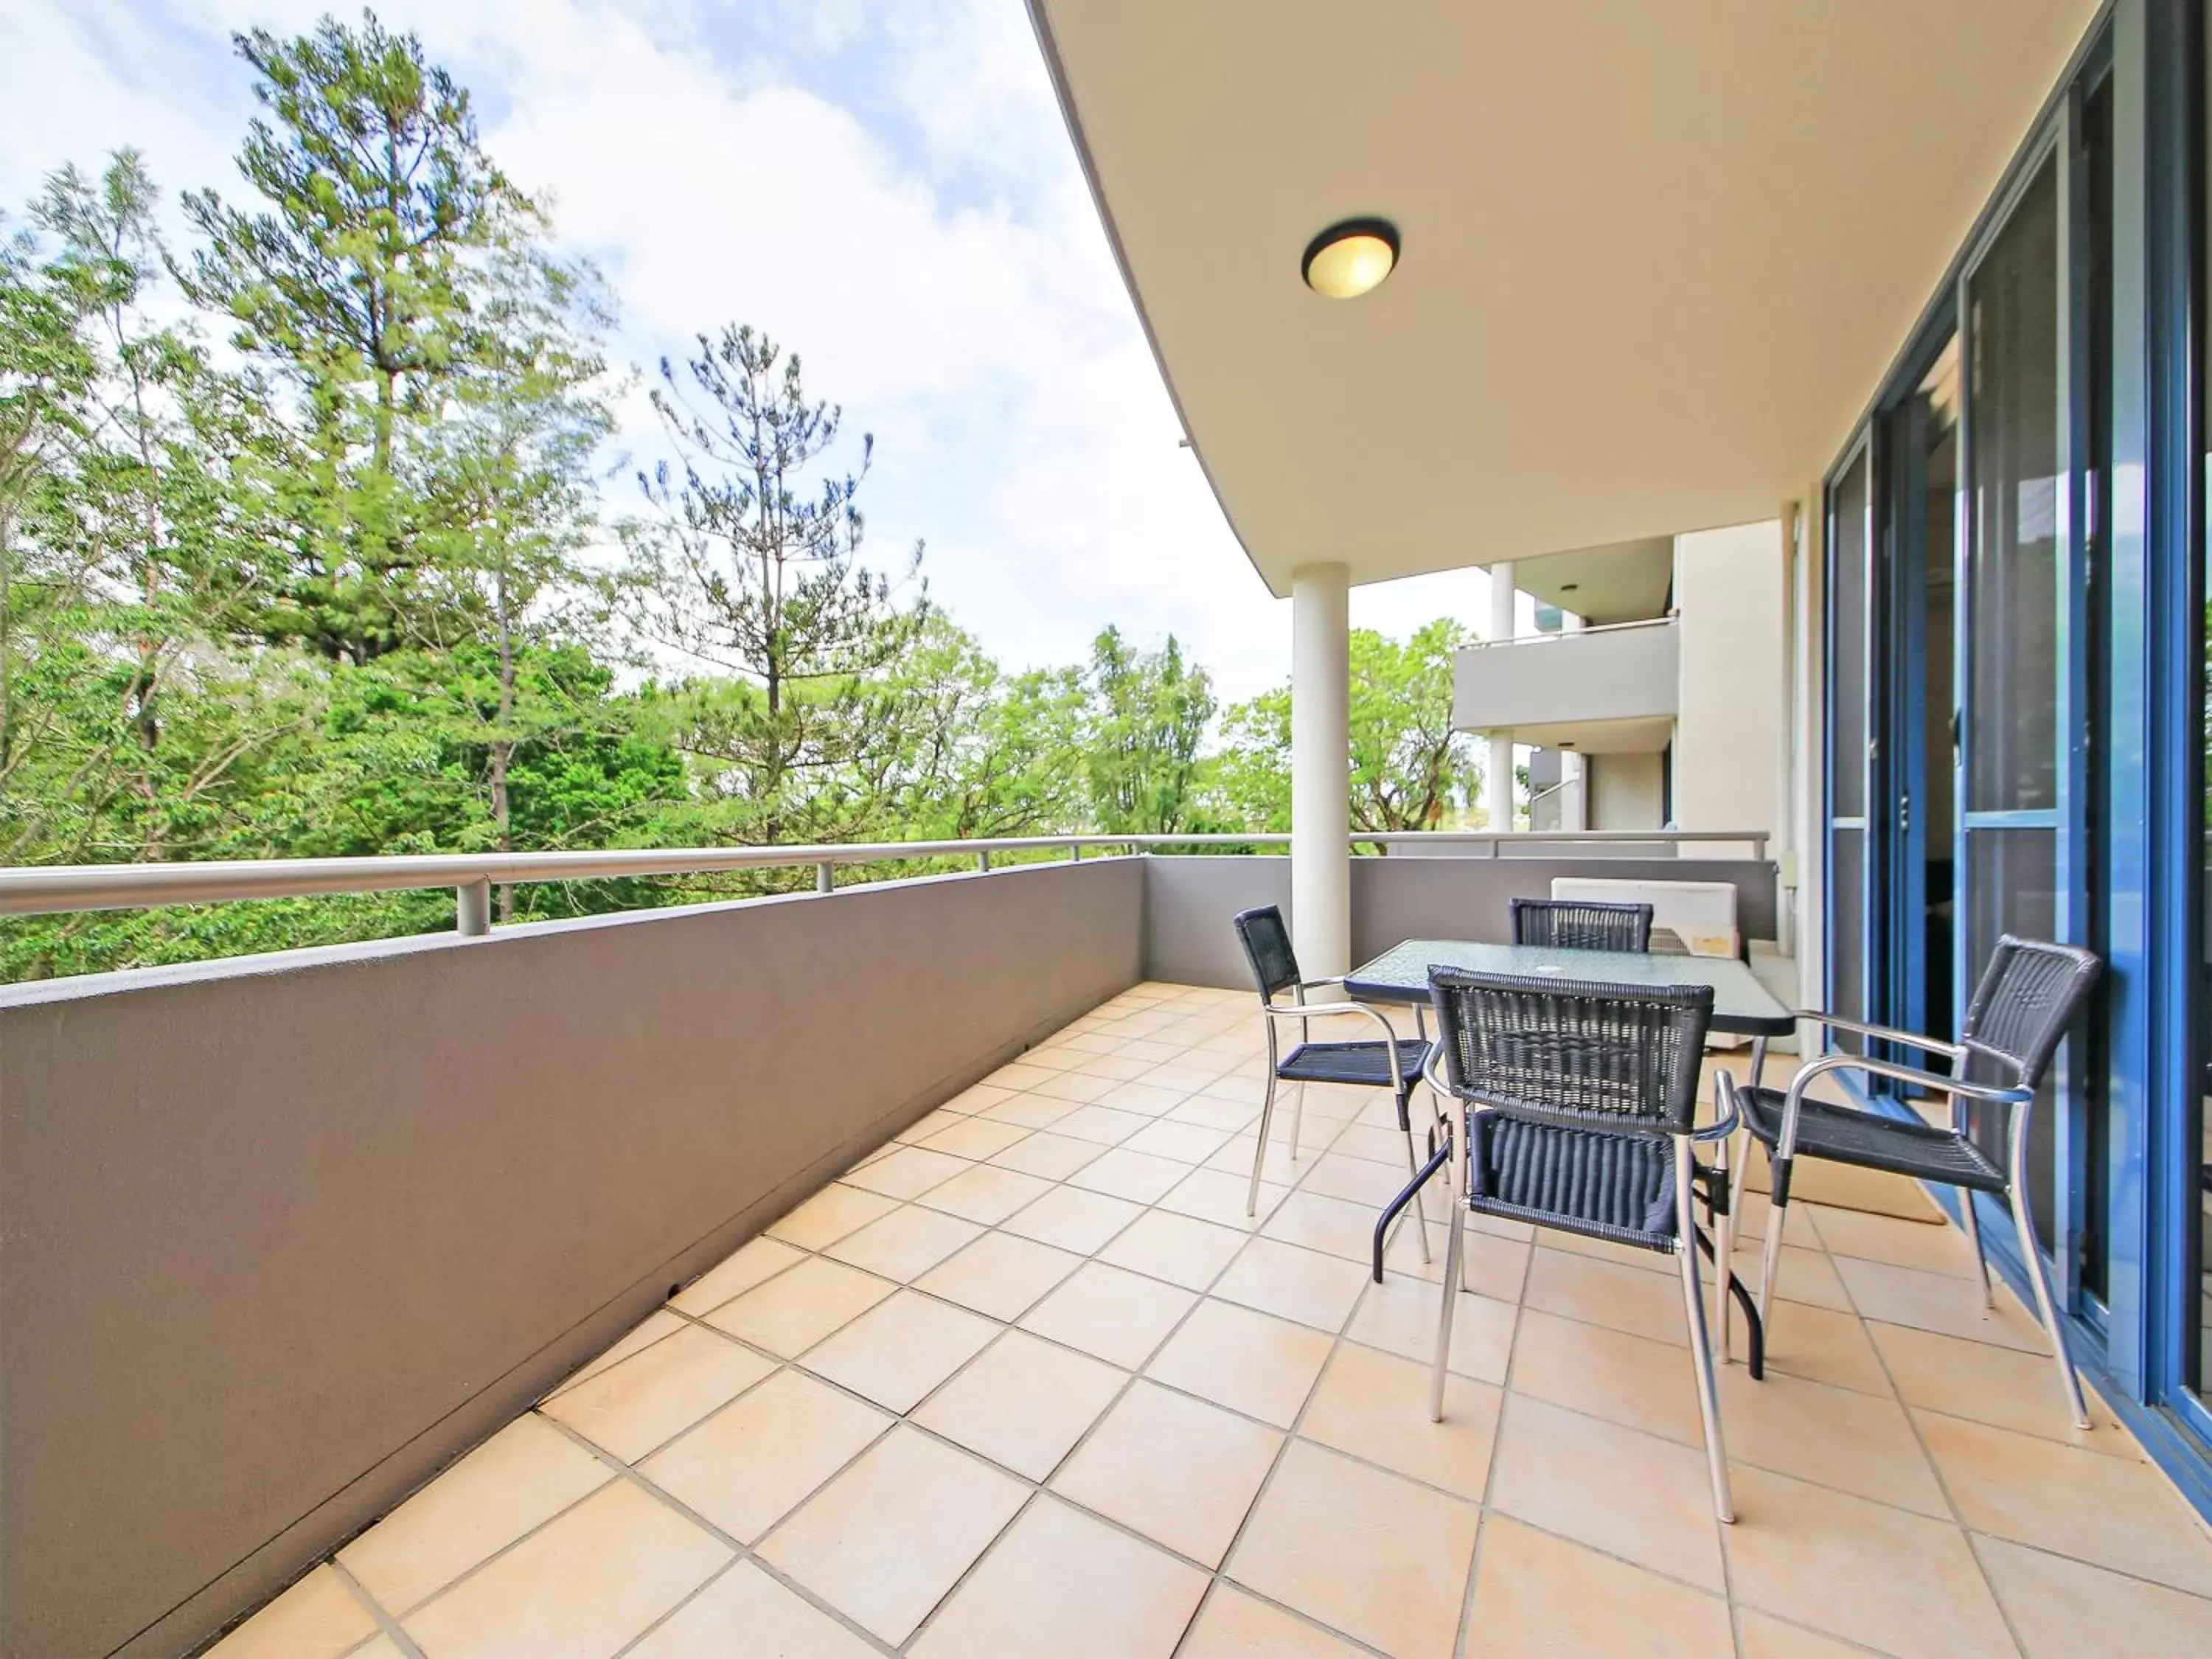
<point>1730,760</point>
<point>1626,792</point>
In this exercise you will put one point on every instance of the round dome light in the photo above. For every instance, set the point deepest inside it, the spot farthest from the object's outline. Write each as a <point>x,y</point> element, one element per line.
<point>1352,258</point>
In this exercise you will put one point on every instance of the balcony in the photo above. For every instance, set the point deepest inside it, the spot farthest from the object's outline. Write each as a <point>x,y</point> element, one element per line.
<point>868,1273</point>
<point>1614,689</point>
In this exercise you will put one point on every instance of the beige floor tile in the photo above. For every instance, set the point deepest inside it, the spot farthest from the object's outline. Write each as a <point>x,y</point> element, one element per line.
<point>1281,1165</point>
<point>755,1263</point>
<point>658,1323</point>
<point>1819,1343</point>
<point>1102,1126</point>
<point>976,1098</point>
<point>1602,1293</point>
<point>377,1647</point>
<point>1765,1637</point>
<point>1073,1219</point>
<point>1752,1215</point>
<point>1630,1380</point>
<point>1808,1276</point>
<point>985,1194</point>
<point>830,1215</point>
<point>1117,1315</point>
<point>1241,1087</point>
<point>749,1464</point>
<point>1855,1442</point>
<point>1376,1145</point>
<point>902,1348</point>
<point>1178,1470</point>
<point>1899,1583</point>
<point>1355,1180</point>
<point>1938,1302</point>
<point>1322,1223</point>
<point>884,1540</point>
<point>655,1395</point>
<point>1023,1403</point>
<point>1234,1624</point>
<point>789,1315</point>
<point>1020,1076</point>
<point>1063,1585</point>
<point>1376,1557</point>
<point>1178,1248</point>
<point>521,1478</point>
<point>2103,1510</point>
<point>2063,1609</point>
<point>1496,1267</point>
<point>318,1618</point>
<point>746,1612</point>
<point>1293,1283</point>
<point>1075,1087</point>
<point>1189,1072</point>
<point>922,1128</point>
<point>1376,1406</point>
<point>1116,1066</point>
<point>1936,1247</point>
<point>973,1137</point>
<point>1990,1384</point>
<point>905,1243</point>
<point>1604,1249</point>
<point>578,1588</point>
<point>1140,1177</point>
<point>1048,1156</point>
<point>907,1173</point>
<point>1156,1052</point>
<point>1000,1275</point>
<point>1027,1111</point>
<point>1148,1099</point>
<point>1399,1316</point>
<point>1216,1195</point>
<point>1224,1118</point>
<point>1535,1594</point>
<point>1629,1493</point>
<point>1250,1362</point>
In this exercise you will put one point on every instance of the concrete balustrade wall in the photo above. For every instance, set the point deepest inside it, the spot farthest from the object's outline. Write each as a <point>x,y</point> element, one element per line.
<point>281,1237</point>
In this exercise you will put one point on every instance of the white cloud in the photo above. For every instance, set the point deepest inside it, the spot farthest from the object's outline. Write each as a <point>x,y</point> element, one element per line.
<point>911,219</point>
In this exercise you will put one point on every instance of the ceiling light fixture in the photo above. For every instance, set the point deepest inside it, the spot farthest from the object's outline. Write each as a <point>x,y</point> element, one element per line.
<point>1351,258</point>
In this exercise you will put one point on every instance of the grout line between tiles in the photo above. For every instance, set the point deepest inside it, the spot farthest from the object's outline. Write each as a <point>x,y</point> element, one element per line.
<point>387,1621</point>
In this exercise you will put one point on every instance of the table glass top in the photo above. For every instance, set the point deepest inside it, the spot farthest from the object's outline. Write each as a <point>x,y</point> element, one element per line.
<point>1740,1003</point>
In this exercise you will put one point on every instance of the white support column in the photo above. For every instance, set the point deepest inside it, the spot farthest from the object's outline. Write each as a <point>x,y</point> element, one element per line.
<point>1320,767</point>
<point>1499,776</point>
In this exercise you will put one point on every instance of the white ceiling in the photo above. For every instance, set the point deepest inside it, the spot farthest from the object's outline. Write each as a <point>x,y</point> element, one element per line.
<point>1655,256</point>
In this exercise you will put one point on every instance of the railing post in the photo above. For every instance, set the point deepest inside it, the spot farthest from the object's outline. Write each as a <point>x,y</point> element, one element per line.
<point>983,862</point>
<point>825,877</point>
<point>1075,852</point>
<point>472,908</point>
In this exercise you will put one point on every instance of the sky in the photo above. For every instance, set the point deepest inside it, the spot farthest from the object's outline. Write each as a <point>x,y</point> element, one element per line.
<point>885,186</point>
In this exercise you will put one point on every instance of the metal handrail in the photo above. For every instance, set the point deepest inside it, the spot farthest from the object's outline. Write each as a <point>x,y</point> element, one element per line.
<point>1582,633</point>
<point>52,890</point>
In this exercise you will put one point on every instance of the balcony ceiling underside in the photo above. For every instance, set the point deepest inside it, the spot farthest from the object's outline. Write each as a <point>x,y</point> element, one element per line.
<point>1654,259</point>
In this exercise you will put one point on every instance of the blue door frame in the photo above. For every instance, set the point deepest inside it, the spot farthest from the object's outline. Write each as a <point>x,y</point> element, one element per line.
<point>2148,823</point>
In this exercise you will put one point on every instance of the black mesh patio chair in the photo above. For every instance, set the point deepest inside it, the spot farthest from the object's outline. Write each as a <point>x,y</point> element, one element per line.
<point>1579,925</point>
<point>1578,1105</point>
<point>2026,999</point>
<point>1390,1061</point>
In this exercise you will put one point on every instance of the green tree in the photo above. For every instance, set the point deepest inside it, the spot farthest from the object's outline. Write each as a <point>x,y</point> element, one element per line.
<point>749,568</point>
<point>359,278</point>
<point>1145,718</point>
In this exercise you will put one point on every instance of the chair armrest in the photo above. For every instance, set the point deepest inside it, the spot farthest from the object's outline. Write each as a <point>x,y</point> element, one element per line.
<point>1880,1033</point>
<point>1785,1144</point>
<point>1731,1113</point>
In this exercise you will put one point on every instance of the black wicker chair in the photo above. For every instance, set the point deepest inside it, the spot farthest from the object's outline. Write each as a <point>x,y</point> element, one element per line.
<point>2026,999</point>
<point>1391,1061</point>
<point>1579,925</point>
<point>1578,1103</point>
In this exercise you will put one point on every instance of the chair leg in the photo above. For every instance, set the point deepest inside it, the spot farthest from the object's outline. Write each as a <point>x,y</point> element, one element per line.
<point>1778,1181</point>
<point>1701,1351</point>
<point>1972,1224</point>
<point>1739,1162</point>
<point>2038,1271</point>
<point>1455,1260</point>
<point>1417,1209</point>
<point>1259,1152</point>
<point>1298,1120</point>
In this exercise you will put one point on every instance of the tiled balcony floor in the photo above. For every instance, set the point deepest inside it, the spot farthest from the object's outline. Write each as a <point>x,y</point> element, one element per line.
<point>1028,1383</point>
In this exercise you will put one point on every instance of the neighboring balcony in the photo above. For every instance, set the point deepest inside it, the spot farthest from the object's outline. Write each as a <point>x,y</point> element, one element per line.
<point>1613,689</point>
